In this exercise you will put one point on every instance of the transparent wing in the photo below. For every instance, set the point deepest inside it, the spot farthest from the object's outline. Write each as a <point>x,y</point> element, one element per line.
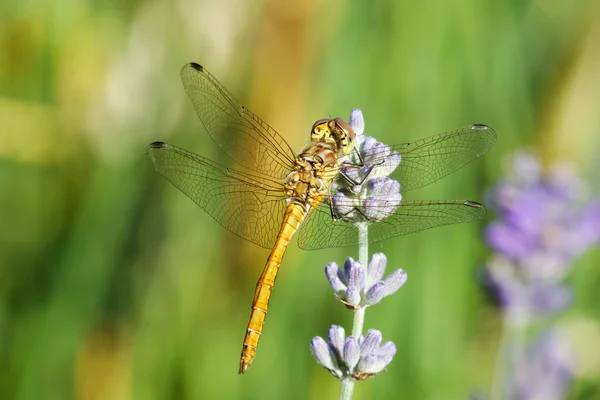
<point>241,134</point>
<point>427,160</point>
<point>250,206</point>
<point>321,231</point>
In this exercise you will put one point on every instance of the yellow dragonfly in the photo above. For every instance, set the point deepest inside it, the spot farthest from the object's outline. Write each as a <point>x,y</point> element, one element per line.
<point>280,191</point>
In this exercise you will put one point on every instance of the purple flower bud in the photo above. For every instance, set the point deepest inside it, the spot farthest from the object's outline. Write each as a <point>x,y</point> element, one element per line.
<point>322,354</point>
<point>389,165</point>
<point>351,288</point>
<point>388,348</point>
<point>376,268</point>
<point>375,294</point>
<point>373,364</point>
<point>344,204</point>
<point>370,342</point>
<point>368,364</point>
<point>394,282</point>
<point>357,121</point>
<point>382,200</point>
<point>375,361</point>
<point>370,191</point>
<point>332,271</point>
<point>336,340</point>
<point>383,186</point>
<point>358,359</point>
<point>351,352</point>
<point>355,274</point>
<point>352,296</point>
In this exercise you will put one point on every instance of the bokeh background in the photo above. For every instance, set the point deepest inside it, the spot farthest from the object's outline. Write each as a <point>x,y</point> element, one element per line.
<point>114,285</point>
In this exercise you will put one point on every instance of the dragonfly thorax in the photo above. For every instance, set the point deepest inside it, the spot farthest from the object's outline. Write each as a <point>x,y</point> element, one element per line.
<point>310,179</point>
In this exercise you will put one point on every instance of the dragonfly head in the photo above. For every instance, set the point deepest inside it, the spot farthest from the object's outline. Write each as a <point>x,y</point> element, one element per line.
<point>335,132</point>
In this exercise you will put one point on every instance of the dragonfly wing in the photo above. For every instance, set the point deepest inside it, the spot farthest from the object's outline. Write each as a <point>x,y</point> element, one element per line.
<point>427,160</point>
<point>320,230</point>
<point>241,134</point>
<point>248,205</point>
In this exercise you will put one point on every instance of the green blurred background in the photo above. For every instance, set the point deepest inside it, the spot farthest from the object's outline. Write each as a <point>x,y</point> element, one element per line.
<point>114,285</point>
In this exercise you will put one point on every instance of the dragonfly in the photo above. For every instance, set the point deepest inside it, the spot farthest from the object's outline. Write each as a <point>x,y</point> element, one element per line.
<point>278,192</point>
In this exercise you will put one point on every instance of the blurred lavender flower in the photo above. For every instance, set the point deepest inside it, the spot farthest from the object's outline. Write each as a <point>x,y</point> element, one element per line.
<point>543,225</point>
<point>348,357</point>
<point>368,194</point>
<point>545,221</point>
<point>546,370</point>
<point>351,287</point>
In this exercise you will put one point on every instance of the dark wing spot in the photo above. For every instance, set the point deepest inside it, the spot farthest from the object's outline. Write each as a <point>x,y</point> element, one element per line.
<point>196,66</point>
<point>473,204</point>
<point>157,145</point>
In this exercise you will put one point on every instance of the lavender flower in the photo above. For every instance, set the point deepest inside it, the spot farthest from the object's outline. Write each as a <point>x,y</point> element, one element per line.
<point>545,221</point>
<point>366,196</point>
<point>546,370</point>
<point>367,193</point>
<point>351,287</point>
<point>543,226</point>
<point>353,358</point>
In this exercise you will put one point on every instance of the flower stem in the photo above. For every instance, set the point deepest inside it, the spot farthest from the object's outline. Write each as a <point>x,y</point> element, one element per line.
<point>363,258</point>
<point>510,353</point>
<point>359,315</point>
<point>347,389</point>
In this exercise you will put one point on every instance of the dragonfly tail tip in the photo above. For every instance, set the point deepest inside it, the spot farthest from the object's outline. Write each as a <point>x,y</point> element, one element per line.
<point>243,367</point>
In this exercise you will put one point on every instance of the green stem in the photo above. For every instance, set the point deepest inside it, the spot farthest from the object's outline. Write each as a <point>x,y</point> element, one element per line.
<point>347,389</point>
<point>359,315</point>
<point>510,353</point>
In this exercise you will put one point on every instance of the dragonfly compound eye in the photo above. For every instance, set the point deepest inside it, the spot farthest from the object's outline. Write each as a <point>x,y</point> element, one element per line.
<point>344,135</point>
<point>320,130</point>
<point>335,132</point>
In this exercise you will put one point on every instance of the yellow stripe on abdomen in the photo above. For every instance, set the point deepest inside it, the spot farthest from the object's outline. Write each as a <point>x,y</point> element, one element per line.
<point>293,217</point>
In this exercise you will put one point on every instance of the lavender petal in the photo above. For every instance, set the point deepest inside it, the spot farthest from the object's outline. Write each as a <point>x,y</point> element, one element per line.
<point>320,350</point>
<point>352,296</point>
<point>332,271</point>
<point>395,281</point>
<point>375,294</point>
<point>351,352</point>
<point>336,337</point>
<point>355,274</point>
<point>376,269</point>
<point>388,348</point>
<point>371,342</point>
<point>357,121</point>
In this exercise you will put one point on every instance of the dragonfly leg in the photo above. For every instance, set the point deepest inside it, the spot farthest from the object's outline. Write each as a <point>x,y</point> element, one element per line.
<point>360,164</point>
<point>336,216</point>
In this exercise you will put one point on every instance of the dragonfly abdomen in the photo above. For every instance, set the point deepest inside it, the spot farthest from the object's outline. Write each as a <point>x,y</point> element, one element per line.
<point>293,217</point>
